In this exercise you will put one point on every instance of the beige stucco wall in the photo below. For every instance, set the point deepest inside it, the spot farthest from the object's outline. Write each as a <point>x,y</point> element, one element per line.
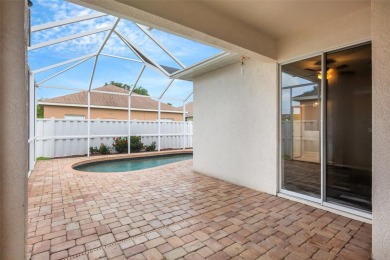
<point>347,30</point>
<point>13,131</point>
<point>236,125</point>
<point>102,113</point>
<point>381,127</point>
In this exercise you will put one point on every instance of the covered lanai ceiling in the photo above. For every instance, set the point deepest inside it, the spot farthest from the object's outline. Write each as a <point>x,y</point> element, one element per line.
<point>250,27</point>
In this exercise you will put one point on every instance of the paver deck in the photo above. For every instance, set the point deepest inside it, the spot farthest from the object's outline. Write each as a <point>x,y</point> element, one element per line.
<point>171,212</point>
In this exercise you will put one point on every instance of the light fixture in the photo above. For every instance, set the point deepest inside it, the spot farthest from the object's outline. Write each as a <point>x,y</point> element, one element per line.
<point>242,59</point>
<point>329,74</point>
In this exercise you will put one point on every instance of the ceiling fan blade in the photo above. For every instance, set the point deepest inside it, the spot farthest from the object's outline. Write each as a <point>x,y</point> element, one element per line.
<point>328,61</point>
<point>312,70</point>
<point>342,67</point>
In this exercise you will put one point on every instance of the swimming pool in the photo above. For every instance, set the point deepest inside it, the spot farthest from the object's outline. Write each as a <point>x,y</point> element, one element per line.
<point>132,164</point>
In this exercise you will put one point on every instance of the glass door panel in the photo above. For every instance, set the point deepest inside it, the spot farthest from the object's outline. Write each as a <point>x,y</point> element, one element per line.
<point>300,127</point>
<point>348,128</point>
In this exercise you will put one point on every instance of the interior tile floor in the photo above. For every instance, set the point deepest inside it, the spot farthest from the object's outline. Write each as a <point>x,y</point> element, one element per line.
<point>171,212</point>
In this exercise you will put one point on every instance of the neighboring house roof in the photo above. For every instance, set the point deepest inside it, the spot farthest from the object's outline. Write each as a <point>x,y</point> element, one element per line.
<point>189,109</point>
<point>308,95</point>
<point>107,100</point>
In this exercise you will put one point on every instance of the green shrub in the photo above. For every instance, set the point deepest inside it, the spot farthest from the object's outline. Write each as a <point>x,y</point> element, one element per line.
<point>135,144</point>
<point>103,149</point>
<point>93,150</point>
<point>150,147</point>
<point>120,144</point>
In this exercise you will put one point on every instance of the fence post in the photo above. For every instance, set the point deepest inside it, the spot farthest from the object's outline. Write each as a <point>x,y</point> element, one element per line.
<point>159,125</point>
<point>32,118</point>
<point>129,123</point>
<point>184,125</point>
<point>89,123</point>
<point>52,131</point>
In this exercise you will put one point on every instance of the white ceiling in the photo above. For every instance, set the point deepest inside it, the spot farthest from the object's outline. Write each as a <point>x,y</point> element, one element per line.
<point>279,18</point>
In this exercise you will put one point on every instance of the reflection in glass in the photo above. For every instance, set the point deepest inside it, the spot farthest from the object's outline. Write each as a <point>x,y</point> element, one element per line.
<point>348,117</point>
<point>300,127</point>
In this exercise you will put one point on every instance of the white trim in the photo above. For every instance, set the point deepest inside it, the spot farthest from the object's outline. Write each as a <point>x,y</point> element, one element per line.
<point>106,107</point>
<point>300,196</point>
<point>318,53</point>
<point>330,207</point>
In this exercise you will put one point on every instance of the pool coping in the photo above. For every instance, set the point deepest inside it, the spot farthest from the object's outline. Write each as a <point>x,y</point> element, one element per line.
<point>111,157</point>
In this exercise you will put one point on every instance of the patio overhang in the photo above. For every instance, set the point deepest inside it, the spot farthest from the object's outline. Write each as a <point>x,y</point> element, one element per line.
<point>217,62</point>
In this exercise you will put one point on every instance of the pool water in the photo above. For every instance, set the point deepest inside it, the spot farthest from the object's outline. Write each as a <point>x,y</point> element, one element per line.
<point>132,164</point>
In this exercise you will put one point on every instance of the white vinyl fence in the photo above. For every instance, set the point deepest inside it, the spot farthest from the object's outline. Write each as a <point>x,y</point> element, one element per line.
<point>64,137</point>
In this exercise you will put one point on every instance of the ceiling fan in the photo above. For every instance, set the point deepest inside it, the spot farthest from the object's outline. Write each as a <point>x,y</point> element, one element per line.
<point>329,69</point>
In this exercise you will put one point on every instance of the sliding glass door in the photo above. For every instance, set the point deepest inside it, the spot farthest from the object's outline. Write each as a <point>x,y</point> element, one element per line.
<point>348,128</point>
<point>300,127</point>
<point>342,175</point>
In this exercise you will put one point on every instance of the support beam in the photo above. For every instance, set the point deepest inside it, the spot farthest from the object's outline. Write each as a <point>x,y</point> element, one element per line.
<point>66,21</point>
<point>62,71</point>
<point>68,38</point>
<point>185,100</point>
<point>165,90</point>
<point>32,117</point>
<point>184,125</point>
<point>159,125</point>
<point>62,63</point>
<point>146,59</point>
<point>129,124</point>
<point>89,124</point>
<point>100,50</point>
<point>138,77</point>
<point>150,35</point>
<point>93,73</point>
<point>119,57</point>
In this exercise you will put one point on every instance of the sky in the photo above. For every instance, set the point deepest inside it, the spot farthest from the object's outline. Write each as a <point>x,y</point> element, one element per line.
<point>107,69</point>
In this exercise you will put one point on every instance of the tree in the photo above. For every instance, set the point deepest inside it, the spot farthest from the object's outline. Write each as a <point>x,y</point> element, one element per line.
<point>141,91</point>
<point>138,90</point>
<point>40,110</point>
<point>118,84</point>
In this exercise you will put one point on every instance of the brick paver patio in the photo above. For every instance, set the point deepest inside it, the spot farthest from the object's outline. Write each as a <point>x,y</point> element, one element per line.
<point>170,212</point>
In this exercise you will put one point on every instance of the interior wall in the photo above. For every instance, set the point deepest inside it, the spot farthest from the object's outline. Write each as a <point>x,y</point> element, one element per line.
<point>345,31</point>
<point>13,129</point>
<point>349,119</point>
<point>235,135</point>
<point>381,127</point>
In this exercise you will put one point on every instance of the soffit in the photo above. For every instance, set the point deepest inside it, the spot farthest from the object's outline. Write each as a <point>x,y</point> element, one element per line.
<point>279,18</point>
